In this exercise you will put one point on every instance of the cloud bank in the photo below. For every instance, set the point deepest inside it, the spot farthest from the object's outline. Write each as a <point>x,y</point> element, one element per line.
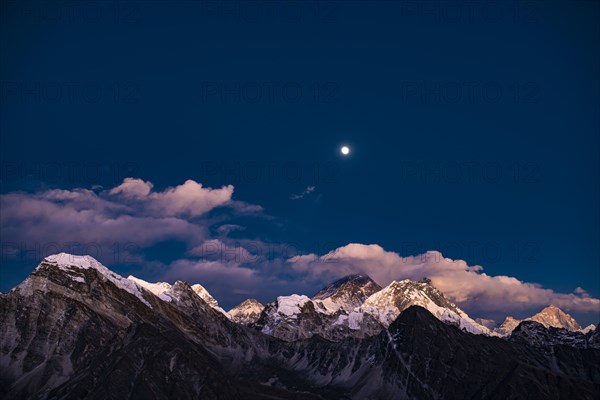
<point>130,213</point>
<point>466,285</point>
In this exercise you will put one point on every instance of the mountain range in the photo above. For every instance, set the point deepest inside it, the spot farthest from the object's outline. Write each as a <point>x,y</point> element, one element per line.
<point>75,329</point>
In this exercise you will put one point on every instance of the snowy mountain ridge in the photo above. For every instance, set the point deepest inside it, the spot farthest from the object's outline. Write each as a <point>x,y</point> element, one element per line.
<point>73,329</point>
<point>163,291</point>
<point>354,305</point>
<point>388,303</point>
<point>70,264</point>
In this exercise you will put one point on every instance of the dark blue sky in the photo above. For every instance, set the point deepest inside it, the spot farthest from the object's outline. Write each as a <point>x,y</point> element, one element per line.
<point>473,126</point>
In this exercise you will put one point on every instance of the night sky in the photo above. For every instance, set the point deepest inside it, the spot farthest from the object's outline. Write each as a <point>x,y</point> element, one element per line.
<point>472,127</point>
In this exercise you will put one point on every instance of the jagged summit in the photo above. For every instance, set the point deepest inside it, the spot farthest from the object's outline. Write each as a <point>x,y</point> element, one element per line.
<point>553,316</point>
<point>164,291</point>
<point>509,324</point>
<point>247,312</point>
<point>550,316</point>
<point>346,293</point>
<point>206,296</point>
<point>249,302</point>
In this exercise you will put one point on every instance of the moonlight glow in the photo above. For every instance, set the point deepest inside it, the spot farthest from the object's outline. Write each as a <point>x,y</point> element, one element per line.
<point>345,150</point>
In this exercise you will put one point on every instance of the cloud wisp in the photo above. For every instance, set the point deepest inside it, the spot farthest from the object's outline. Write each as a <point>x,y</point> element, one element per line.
<point>305,192</point>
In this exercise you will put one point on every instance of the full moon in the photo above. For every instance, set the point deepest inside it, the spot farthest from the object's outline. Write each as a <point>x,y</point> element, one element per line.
<point>345,150</point>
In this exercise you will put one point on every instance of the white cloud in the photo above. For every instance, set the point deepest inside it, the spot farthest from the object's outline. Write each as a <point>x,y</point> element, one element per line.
<point>133,188</point>
<point>189,199</point>
<point>130,214</point>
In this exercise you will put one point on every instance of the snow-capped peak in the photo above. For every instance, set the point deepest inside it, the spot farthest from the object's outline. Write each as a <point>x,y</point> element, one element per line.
<point>164,291</point>
<point>509,324</point>
<point>345,294</point>
<point>211,301</point>
<point>246,312</point>
<point>65,261</point>
<point>555,317</point>
<point>389,302</point>
<point>70,263</point>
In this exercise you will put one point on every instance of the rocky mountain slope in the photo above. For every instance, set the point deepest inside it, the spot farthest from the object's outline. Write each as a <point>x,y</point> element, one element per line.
<point>74,329</point>
<point>535,334</point>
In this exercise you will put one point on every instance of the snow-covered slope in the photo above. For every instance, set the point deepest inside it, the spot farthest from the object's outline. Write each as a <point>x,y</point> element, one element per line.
<point>331,313</point>
<point>71,264</point>
<point>157,288</point>
<point>298,317</point>
<point>164,291</point>
<point>247,312</point>
<point>387,304</point>
<point>357,306</point>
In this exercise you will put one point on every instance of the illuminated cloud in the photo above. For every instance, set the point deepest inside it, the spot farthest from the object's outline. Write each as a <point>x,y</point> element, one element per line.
<point>464,284</point>
<point>132,188</point>
<point>130,214</point>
